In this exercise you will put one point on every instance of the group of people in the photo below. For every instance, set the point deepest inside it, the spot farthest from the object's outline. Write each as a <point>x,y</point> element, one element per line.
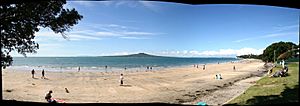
<point>198,67</point>
<point>43,74</point>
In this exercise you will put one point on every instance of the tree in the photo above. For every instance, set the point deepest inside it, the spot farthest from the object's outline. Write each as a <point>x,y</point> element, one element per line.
<point>276,49</point>
<point>20,21</point>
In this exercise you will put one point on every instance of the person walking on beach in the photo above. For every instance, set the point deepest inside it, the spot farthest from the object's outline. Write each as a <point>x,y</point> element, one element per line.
<point>204,67</point>
<point>121,80</point>
<point>233,67</point>
<point>43,74</point>
<point>32,73</point>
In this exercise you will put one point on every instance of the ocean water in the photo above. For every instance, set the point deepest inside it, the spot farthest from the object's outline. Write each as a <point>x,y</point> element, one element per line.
<point>112,63</point>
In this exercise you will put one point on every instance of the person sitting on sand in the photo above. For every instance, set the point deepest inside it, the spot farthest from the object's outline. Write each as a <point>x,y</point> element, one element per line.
<point>218,76</point>
<point>32,73</point>
<point>48,97</point>
<point>121,79</point>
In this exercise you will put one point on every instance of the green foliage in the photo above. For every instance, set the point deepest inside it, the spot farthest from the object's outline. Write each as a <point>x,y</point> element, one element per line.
<point>250,56</point>
<point>20,21</point>
<point>279,48</point>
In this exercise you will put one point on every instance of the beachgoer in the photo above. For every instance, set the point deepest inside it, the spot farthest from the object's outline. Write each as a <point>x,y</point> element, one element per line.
<point>285,70</point>
<point>150,68</point>
<point>105,67</point>
<point>279,73</point>
<point>32,72</point>
<point>67,91</point>
<point>121,79</point>
<point>220,77</point>
<point>204,67</point>
<point>233,67</point>
<point>283,63</point>
<point>43,74</point>
<point>197,65</point>
<point>78,68</point>
<point>48,97</point>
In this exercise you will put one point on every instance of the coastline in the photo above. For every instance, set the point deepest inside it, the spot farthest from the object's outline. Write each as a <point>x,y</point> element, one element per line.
<point>171,85</point>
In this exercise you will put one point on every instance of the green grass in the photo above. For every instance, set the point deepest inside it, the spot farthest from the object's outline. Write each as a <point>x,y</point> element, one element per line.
<point>280,90</point>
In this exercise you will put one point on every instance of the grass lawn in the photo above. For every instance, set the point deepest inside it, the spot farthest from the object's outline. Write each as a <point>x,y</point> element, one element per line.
<point>278,90</point>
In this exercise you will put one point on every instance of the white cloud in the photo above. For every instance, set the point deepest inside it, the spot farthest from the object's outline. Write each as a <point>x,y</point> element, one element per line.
<point>150,5</point>
<point>219,53</point>
<point>85,3</point>
<point>267,36</point>
<point>284,28</point>
<point>77,37</point>
<point>130,37</point>
<point>113,30</point>
<point>137,33</point>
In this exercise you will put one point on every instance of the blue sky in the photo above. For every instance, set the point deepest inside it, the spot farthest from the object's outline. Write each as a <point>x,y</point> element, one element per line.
<point>170,29</point>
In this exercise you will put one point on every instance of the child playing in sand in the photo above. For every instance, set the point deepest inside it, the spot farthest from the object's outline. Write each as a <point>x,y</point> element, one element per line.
<point>48,97</point>
<point>121,79</point>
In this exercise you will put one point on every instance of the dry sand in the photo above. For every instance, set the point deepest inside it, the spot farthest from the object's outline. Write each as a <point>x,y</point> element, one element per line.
<point>184,85</point>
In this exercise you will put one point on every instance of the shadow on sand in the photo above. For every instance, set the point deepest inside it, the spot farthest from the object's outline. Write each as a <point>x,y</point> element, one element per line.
<point>127,85</point>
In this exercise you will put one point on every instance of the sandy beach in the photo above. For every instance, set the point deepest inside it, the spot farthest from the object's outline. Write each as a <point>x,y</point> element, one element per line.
<point>183,85</point>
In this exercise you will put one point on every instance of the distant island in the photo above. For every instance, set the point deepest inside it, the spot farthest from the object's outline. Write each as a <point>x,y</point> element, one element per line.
<point>135,55</point>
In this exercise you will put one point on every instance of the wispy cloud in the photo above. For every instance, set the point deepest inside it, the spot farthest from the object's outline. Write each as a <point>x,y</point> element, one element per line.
<point>130,37</point>
<point>114,30</point>
<point>267,36</point>
<point>212,53</point>
<point>97,32</point>
<point>284,28</point>
<point>85,3</point>
<point>195,53</point>
<point>151,5</point>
